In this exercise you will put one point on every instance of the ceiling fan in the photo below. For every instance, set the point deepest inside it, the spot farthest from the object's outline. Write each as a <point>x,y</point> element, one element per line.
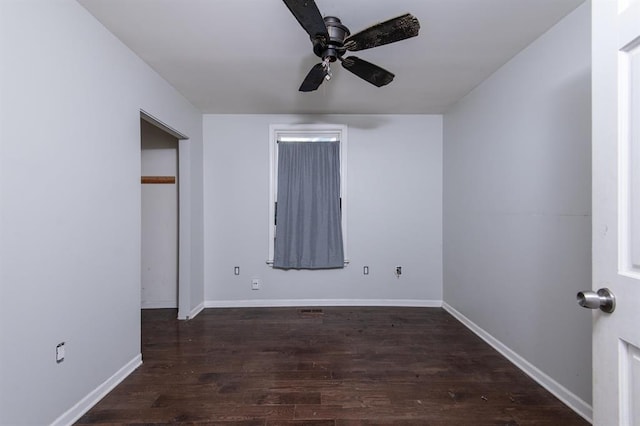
<point>331,40</point>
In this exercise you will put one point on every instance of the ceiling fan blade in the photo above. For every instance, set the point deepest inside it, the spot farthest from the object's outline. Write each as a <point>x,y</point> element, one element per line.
<point>309,17</point>
<point>368,71</point>
<point>314,79</point>
<point>396,29</point>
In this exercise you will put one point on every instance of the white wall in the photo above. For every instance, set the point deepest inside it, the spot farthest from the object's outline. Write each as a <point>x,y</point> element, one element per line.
<point>159,258</point>
<point>70,96</point>
<point>394,180</point>
<point>517,216</point>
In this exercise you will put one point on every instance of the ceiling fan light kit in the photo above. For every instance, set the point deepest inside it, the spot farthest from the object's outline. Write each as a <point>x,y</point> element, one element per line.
<point>331,40</point>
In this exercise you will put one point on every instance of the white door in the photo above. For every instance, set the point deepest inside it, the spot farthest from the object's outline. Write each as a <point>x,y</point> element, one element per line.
<point>616,210</point>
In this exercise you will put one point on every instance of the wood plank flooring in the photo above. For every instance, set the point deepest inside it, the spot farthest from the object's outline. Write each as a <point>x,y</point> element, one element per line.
<point>335,366</point>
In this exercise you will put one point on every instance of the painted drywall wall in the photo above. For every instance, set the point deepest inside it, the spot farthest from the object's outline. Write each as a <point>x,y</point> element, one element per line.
<point>70,205</point>
<point>517,218</point>
<point>159,280</point>
<point>394,196</point>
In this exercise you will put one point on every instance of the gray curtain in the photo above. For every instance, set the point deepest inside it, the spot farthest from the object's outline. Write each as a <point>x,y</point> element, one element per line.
<point>308,217</point>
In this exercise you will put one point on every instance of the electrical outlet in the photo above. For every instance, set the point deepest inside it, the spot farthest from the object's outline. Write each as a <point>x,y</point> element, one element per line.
<point>60,352</point>
<point>398,271</point>
<point>255,284</point>
<point>236,270</point>
<point>365,270</point>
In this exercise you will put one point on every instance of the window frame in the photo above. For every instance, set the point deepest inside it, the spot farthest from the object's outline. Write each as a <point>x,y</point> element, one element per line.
<point>307,132</point>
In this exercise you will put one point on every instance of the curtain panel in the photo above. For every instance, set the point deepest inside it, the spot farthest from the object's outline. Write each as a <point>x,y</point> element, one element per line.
<point>308,217</point>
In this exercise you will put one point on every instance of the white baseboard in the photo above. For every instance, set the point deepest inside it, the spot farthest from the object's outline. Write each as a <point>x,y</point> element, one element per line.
<point>195,311</point>
<point>276,303</point>
<point>160,304</point>
<point>74,413</point>
<point>563,394</point>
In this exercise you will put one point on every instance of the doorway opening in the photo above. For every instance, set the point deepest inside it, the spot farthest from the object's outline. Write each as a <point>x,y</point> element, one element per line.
<point>164,281</point>
<point>159,240</point>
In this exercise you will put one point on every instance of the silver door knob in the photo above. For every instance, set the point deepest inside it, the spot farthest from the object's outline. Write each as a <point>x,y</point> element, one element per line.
<point>603,299</point>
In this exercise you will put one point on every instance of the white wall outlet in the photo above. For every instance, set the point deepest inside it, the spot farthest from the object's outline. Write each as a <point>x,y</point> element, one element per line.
<point>256,284</point>
<point>60,352</point>
<point>236,270</point>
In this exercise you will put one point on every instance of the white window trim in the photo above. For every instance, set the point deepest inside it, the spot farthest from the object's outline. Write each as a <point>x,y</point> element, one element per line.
<point>311,132</point>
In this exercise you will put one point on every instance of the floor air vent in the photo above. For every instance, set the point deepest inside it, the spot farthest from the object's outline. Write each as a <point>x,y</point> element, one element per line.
<point>311,311</point>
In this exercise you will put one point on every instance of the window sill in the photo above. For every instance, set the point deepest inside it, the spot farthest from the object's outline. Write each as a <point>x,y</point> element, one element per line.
<point>270,262</point>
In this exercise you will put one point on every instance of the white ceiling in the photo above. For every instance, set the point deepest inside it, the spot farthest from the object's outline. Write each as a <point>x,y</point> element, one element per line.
<point>250,56</point>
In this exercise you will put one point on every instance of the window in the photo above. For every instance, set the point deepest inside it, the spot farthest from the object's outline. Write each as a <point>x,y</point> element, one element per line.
<point>310,134</point>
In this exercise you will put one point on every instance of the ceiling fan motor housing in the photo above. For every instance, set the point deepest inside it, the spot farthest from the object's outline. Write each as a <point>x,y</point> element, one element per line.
<point>337,33</point>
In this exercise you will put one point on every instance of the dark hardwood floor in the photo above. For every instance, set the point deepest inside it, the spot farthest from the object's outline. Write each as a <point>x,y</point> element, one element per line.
<point>316,367</point>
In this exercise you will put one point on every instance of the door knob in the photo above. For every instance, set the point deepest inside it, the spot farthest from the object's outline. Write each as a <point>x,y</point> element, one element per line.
<point>603,299</point>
